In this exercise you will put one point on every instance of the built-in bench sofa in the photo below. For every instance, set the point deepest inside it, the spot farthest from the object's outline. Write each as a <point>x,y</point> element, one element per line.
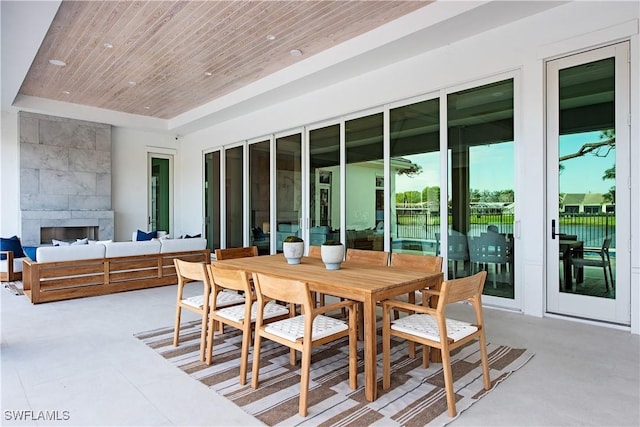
<point>66,272</point>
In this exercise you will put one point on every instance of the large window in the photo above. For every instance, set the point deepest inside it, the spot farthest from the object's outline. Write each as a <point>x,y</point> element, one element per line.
<point>415,177</point>
<point>481,185</point>
<point>364,168</point>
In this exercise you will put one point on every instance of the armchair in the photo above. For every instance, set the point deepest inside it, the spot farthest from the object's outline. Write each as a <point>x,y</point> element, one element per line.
<point>11,257</point>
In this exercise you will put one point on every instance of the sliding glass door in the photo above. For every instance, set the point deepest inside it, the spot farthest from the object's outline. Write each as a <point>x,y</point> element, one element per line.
<point>288,187</point>
<point>415,177</point>
<point>364,208</point>
<point>324,184</point>
<point>481,195</point>
<point>234,190</point>
<point>260,195</point>
<point>212,199</point>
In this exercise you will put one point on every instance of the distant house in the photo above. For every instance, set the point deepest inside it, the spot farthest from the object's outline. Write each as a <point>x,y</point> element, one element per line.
<point>589,203</point>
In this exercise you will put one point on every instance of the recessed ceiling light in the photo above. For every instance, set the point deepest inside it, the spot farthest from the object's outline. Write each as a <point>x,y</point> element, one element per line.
<point>107,45</point>
<point>208,73</point>
<point>147,107</point>
<point>66,92</point>
<point>57,62</point>
<point>271,37</point>
<point>295,52</point>
<point>132,83</point>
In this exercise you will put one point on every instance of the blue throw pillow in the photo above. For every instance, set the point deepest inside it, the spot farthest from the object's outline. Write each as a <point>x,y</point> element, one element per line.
<point>146,236</point>
<point>11,244</point>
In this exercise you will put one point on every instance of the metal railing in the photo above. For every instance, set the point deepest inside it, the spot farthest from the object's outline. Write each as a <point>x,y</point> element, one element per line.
<point>590,228</point>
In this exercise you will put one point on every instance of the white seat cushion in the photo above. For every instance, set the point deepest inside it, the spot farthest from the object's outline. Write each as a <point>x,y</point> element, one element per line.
<point>425,326</point>
<point>17,265</point>
<point>236,313</point>
<point>293,328</point>
<point>225,298</point>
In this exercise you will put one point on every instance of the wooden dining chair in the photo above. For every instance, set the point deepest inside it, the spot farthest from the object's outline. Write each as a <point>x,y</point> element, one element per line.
<point>242,316</point>
<point>364,256</point>
<point>426,263</point>
<point>231,253</point>
<point>197,272</point>
<point>300,332</point>
<point>315,252</point>
<point>431,328</point>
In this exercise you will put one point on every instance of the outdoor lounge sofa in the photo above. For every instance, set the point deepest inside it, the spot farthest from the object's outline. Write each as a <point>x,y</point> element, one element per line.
<point>65,272</point>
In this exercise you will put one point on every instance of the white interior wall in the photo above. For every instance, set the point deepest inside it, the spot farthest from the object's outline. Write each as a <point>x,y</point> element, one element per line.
<point>129,174</point>
<point>10,224</point>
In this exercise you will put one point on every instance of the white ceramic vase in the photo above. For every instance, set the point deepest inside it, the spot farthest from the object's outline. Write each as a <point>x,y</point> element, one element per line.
<point>293,251</point>
<point>332,256</point>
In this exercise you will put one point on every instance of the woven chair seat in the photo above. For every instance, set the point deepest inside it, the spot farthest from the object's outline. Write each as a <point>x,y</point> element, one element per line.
<point>292,329</point>
<point>224,299</point>
<point>426,326</point>
<point>236,312</point>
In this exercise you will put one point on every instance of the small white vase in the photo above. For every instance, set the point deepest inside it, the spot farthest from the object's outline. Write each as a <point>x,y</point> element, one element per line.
<point>332,256</point>
<point>293,251</point>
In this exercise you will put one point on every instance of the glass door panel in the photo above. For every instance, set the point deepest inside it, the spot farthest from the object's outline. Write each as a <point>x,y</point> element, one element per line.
<point>415,177</point>
<point>364,183</point>
<point>288,187</point>
<point>259,197</point>
<point>324,184</point>
<point>234,185</point>
<point>588,152</point>
<point>481,186</point>
<point>212,199</point>
<point>160,192</point>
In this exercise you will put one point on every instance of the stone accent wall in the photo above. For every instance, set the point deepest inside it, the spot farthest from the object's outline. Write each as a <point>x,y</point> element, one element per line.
<point>65,175</point>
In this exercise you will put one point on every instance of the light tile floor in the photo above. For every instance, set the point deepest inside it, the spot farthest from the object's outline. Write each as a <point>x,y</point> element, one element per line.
<point>80,356</point>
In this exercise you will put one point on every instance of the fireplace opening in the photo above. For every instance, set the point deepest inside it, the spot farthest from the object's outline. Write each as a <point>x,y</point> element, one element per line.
<point>67,234</point>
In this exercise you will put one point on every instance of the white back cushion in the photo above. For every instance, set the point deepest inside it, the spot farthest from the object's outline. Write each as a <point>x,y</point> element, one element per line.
<point>69,253</point>
<point>182,245</point>
<point>118,249</point>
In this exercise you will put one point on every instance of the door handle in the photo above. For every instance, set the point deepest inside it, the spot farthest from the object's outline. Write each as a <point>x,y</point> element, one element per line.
<point>553,229</point>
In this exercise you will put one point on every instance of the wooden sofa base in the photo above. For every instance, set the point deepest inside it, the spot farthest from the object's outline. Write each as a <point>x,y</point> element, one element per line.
<point>56,281</point>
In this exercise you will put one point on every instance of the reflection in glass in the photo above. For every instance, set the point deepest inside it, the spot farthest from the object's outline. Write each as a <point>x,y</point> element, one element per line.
<point>160,182</point>
<point>233,196</point>
<point>324,185</point>
<point>259,178</point>
<point>586,181</point>
<point>288,187</point>
<point>364,198</point>
<point>481,185</point>
<point>212,199</point>
<point>415,177</point>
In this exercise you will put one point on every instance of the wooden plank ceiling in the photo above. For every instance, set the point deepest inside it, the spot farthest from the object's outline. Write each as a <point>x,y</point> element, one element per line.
<point>161,59</point>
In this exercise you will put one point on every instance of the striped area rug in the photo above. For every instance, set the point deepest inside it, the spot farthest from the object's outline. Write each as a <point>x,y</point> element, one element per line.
<point>416,396</point>
<point>14,287</point>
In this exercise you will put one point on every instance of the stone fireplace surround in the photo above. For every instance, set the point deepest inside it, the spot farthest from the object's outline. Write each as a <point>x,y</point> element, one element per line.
<point>65,177</point>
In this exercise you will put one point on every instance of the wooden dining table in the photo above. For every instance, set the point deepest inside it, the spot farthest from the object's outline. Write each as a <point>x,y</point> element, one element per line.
<point>365,283</point>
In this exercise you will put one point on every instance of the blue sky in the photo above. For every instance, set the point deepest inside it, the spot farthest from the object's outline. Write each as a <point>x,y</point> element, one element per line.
<point>584,174</point>
<point>492,168</point>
